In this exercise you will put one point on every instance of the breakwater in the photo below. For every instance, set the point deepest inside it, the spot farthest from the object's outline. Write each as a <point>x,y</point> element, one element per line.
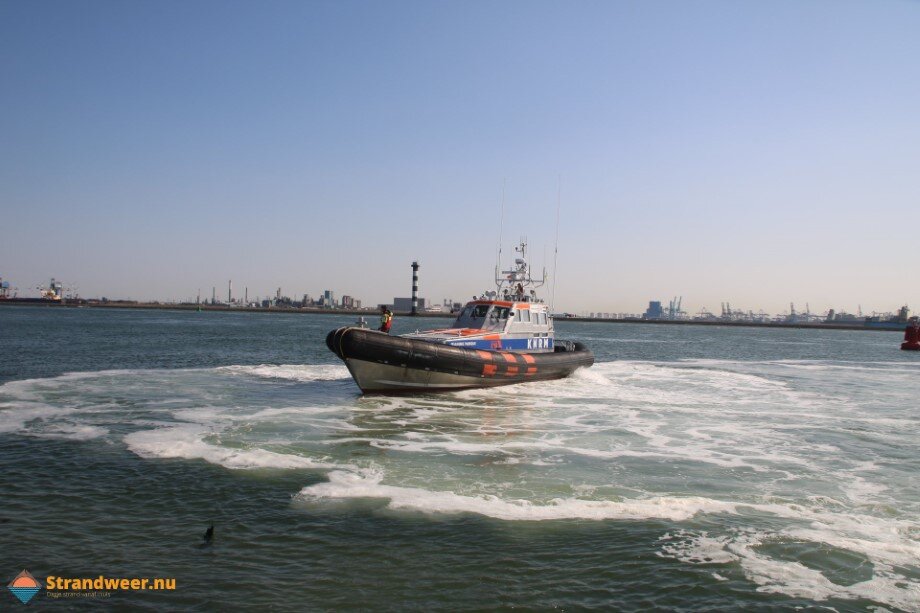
<point>371,313</point>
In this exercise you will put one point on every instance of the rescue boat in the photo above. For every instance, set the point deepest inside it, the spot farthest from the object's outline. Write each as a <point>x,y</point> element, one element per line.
<point>505,336</point>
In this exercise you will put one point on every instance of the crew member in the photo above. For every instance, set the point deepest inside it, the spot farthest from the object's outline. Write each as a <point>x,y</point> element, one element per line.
<point>386,319</point>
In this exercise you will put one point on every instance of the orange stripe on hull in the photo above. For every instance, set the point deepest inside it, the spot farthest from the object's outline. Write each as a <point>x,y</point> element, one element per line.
<point>485,355</point>
<point>528,358</point>
<point>509,357</point>
<point>531,370</point>
<point>488,370</point>
<point>512,370</point>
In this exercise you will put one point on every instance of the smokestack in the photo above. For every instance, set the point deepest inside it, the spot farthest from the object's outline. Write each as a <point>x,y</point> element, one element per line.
<point>415,288</point>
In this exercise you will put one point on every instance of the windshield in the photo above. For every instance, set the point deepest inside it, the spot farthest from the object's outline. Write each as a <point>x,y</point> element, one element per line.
<point>482,316</point>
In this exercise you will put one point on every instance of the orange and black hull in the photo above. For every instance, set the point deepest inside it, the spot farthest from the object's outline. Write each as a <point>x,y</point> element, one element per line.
<point>381,363</point>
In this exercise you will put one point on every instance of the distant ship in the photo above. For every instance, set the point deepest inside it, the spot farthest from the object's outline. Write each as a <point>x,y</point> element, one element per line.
<point>53,294</point>
<point>886,321</point>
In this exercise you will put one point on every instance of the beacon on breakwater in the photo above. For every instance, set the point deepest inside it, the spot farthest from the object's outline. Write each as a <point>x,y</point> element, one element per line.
<point>415,288</point>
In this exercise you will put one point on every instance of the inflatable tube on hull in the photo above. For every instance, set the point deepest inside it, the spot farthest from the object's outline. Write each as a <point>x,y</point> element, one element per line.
<point>908,346</point>
<point>380,363</point>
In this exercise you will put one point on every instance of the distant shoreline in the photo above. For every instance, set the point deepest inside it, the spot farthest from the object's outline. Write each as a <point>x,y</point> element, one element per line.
<point>740,324</point>
<point>375,313</point>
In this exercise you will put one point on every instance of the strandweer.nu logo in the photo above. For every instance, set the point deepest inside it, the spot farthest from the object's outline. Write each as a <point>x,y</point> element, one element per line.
<point>24,586</point>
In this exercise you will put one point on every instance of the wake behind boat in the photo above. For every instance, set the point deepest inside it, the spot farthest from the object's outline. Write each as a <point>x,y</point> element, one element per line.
<point>505,336</point>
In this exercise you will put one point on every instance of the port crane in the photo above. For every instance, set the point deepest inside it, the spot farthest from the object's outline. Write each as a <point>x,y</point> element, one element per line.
<point>674,311</point>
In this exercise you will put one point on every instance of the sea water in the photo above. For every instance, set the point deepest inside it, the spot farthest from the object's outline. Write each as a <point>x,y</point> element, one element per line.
<point>690,468</point>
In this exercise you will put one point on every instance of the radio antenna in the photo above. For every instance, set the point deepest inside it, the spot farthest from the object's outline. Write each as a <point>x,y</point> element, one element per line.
<point>552,300</point>
<point>501,226</point>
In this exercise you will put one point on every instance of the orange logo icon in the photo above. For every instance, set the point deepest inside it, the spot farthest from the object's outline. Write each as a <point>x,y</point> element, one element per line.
<point>24,586</point>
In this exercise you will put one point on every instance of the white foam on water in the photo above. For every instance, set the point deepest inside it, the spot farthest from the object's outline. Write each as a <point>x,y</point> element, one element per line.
<point>888,543</point>
<point>16,416</point>
<point>344,485</point>
<point>787,577</point>
<point>860,489</point>
<point>415,444</point>
<point>698,548</point>
<point>796,580</point>
<point>591,375</point>
<point>687,385</point>
<point>884,539</point>
<point>274,413</point>
<point>291,372</point>
<point>517,460</point>
<point>218,417</point>
<point>725,461</point>
<point>73,432</point>
<point>874,367</point>
<point>604,402</point>
<point>187,441</point>
<point>78,405</point>
<point>782,449</point>
<point>418,443</point>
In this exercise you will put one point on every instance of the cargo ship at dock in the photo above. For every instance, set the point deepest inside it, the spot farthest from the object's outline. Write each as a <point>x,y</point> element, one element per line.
<point>53,294</point>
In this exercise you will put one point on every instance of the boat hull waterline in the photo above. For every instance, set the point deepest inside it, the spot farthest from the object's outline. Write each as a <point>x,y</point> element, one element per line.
<point>380,363</point>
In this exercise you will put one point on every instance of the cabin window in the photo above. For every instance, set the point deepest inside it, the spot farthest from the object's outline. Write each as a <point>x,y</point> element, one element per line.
<point>472,316</point>
<point>525,315</point>
<point>497,318</point>
<point>541,318</point>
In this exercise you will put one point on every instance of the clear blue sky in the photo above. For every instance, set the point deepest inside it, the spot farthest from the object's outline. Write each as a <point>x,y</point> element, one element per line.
<point>754,152</point>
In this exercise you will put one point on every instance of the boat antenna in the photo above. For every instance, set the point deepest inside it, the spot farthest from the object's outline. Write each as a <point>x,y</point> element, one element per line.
<point>501,226</point>
<point>552,300</point>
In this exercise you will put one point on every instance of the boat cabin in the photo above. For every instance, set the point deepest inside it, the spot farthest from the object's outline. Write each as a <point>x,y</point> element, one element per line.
<point>502,316</point>
<point>510,319</point>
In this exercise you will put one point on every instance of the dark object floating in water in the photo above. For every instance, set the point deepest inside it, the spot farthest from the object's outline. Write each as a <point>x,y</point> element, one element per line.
<point>911,337</point>
<point>208,536</point>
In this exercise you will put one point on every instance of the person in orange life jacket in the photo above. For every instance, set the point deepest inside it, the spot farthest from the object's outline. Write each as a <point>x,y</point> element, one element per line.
<point>386,319</point>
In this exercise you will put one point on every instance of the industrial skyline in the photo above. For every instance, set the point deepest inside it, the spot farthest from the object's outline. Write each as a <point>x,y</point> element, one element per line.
<point>656,309</point>
<point>760,153</point>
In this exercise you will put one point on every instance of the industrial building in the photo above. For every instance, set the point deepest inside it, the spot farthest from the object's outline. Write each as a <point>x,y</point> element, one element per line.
<point>404,305</point>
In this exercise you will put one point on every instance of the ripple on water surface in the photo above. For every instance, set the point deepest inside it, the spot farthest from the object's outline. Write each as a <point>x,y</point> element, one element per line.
<point>797,476</point>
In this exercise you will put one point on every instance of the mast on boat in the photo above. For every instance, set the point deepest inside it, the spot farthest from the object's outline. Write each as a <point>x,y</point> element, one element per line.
<point>518,283</point>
